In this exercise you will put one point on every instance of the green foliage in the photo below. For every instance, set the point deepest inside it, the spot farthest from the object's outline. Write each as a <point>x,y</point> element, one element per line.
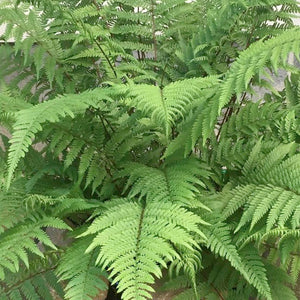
<point>78,268</point>
<point>136,240</point>
<point>137,125</point>
<point>29,121</point>
<point>16,241</point>
<point>38,281</point>
<point>165,106</point>
<point>174,183</point>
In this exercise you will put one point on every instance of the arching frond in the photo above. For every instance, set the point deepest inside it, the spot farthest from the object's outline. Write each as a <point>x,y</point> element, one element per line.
<point>16,242</point>
<point>29,121</point>
<point>38,281</point>
<point>79,270</point>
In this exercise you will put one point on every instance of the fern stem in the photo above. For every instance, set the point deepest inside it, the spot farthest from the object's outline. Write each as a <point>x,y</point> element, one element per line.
<point>242,101</point>
<point>96,4</point>
<point>153,31</point>
<point>138,237</point>
<point>100,48</point>
<point>105,129</point>
<point>7,288</point>
<point>214,288</point>
<point>109,124</point>
<point>106,58</point>
<point>250,36</point>
<point>97,70</point>
<point>226,116</point>
<point>140,55</point>
<point>163,74</point>
<point>275,248</point>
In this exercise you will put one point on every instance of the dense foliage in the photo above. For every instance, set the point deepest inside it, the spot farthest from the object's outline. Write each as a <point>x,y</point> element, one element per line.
<point>135,125</point>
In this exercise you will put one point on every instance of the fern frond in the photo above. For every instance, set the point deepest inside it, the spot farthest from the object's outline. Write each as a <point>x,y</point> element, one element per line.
<point>280,284</point>
<point>204,290</point>
<point>36,282</point>
<point>79,270</point>
<point>256,270</point>
<point>166,105</point>
<point>139,239</point>
<point>176,182</point>
<point>261,54</point>
<point>17,241</point>
<point>220,242</point>
<point>30,121</point>
<point>12,208</point>
<point>189,264</point>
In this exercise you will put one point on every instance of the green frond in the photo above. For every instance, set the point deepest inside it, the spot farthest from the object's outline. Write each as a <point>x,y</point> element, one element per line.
<point>16,242</point>
<point>189,264</point>
<point>168,104</point>
<point>177,182</point>
<point>77,268</point>
<point>271,162</point>
<point>280,284</point>
<point>29,121</point>
<point>12,208</point>
<point>136,241</point>
<point>253,60</point>
<point>248,264</point>
<point>256,270</point>
<point>176,283</point>
<point>275,203</point>
<point>36,282</point>
<point>204,290</point>
<point>295,269</point>
<point>173,106</point>
<point>219,241</point>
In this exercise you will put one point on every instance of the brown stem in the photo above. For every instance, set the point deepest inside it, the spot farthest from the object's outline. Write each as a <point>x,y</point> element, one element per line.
<point>109,124</point>
<point>163,74</point>
<point>96,4</point>
<point>229,110</point>
<point>250,37</point>
<point>214,288</point>
<point>242,100</point>
<point>153,31</point>
<point>106,57</point>
<point>97,69</point>
<point>99,46</point>
<point>7,288</point>
<point>226,115</point>
<point>273,247</point>
<point>140,38</point>
<point>106,131</point>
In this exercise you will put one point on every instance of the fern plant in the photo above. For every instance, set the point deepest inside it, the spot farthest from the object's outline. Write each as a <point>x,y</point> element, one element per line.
<point>134,130</point>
